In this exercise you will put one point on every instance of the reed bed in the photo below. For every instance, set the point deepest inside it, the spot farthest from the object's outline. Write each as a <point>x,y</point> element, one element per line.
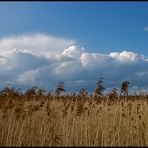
<point>73,120</point>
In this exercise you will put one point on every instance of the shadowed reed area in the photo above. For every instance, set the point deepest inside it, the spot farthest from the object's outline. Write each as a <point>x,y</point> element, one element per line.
<point>35,119</point>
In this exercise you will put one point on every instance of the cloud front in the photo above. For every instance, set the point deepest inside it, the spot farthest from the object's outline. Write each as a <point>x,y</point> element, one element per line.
<point>43,60</point>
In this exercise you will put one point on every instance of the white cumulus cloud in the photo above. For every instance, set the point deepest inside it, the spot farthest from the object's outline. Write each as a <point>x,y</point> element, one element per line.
<point>43,60</point>
<point>39,44</point>
<point>127,57</point>
<point>73,51</point>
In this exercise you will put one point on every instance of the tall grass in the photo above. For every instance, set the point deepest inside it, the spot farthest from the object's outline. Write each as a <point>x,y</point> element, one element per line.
<point>36,119</point>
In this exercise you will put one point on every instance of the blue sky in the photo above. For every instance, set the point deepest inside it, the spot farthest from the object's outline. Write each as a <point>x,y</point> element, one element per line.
<point>99,27</point>
<point>102,26</point>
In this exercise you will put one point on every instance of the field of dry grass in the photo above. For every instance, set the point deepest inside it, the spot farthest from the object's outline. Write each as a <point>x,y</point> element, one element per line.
<point>73,120</point>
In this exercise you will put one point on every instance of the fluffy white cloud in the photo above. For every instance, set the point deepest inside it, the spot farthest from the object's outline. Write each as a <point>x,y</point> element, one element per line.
<point>73,51</point>
<point>43,60</point>
<point>95,60</point>
<point>126,57</point>
<point>38,44</point>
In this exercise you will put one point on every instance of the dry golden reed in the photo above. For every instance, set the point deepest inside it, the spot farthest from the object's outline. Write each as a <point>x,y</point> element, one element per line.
<point>36,119</point>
